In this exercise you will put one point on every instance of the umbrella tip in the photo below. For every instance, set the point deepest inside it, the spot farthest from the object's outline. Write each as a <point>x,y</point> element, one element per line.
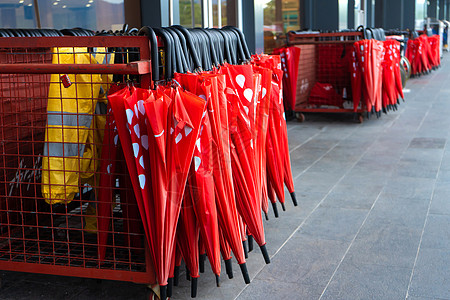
<point>229,268</point>
<point>169,286</point>
<point>267,216</point>
<point>275,209</point>
<point>244,245</point>
<point>217,280</point>
<point>194,282</point>
<point>188,274</point>
<point>163,292</point>
<point>265,253</point>
<point>202,262</point>
<point>250,243</point>
<point>176,275</point>
<point>282,206</point>
<point>294,199</point>
<point>245,272</point>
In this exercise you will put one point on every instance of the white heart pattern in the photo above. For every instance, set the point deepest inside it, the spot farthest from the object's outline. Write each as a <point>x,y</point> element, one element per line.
<point>178,138</point>
<point>141,162</point>
<point>136,149</point>
<point>197,162</point>
<point>248,94</point>
<point>187,130</point>
<point>246,110</point>
<point>203,97</point>
<point>129,115</point>
<point>136,111</point>
<point>137,130</point>
<point>108,168</point>
<point>144,141</point>
<point>116,139</point>
<point>140,105</point>
<point>142,181</point>
<point>264,92</point>
<point>197,143</point>
<point>240,80</point>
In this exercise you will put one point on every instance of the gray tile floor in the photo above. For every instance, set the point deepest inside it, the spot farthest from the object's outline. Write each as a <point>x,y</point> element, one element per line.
<point>373,220</point>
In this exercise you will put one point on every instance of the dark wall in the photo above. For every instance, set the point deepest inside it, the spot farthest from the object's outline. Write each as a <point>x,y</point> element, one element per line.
<point>432,9</point>
<point>351,14</point>
<point>409,17</point>
<point>393,14</point>
<point>370,14</point>
<point>326,14</point>
<point>399,14</point>
<point>442,9</point>
<point>155,13</point>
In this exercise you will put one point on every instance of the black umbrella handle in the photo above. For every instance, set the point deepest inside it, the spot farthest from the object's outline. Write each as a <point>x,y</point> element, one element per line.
<point>190,45</point>
<point>147,31</point>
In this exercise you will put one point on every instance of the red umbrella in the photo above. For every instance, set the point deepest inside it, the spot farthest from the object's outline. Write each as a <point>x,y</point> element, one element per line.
<point>106,182</point>
<point>272,62</point>
<point>187,239</point>
<point>117,101</point>
<point>203,188</point>
<point>288,180</point>
<point>356,80</point>
<point>225,250</point>
<point>272,197</point>
<point>224,191</point>
<point>177,265</point>
<point>391,74</point>
<point>262,122</point>
<point>175,126</point>
<point>241,97</point>
<point>369,54</point>
<point>290,58</point>
<point>275,160</point>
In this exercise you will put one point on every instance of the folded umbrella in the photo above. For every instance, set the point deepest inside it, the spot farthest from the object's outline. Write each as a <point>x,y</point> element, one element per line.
<point>241,96</point>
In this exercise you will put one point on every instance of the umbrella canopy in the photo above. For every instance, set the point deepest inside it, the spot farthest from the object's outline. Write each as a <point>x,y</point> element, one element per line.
<point>240,94</point>
<point>187,238</point>
<point>175,126</point>
<point>369,55</point>
<point>213,85</point>
<point>106,182</point>
<point>117,101</point>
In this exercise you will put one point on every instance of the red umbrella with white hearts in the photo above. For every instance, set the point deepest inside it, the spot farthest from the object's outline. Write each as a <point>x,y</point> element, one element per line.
<point>213,85</point>
<point>243,157</point>
<point>175,128</point>
<point>117,101</point>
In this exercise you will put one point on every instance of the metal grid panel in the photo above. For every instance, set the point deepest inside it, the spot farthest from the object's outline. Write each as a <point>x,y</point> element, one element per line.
<point>33,234</point>
<point>324,59</point>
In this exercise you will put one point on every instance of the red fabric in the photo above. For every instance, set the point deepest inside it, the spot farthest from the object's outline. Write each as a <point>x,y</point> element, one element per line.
<point>324,94</point>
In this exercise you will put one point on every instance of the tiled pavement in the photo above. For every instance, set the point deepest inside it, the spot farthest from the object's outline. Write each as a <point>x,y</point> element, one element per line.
<point>373,220</point>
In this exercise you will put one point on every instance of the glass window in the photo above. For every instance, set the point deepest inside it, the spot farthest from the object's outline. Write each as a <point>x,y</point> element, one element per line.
<point>89,14</point>
<point>17,14</point>
<point>343,14</point>
<point>185,9</point>
<point>280,17</point>
<point>421,14</point>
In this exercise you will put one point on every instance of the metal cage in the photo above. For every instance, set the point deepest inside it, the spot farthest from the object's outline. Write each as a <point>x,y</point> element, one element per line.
<point>324,59</point>
<point>56,238</point>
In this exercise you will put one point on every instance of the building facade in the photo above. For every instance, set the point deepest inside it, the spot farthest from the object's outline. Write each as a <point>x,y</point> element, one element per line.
<point>264,22</point>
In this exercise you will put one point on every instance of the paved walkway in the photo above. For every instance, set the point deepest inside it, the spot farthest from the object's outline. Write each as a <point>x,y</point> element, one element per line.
<point>373,221</point>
